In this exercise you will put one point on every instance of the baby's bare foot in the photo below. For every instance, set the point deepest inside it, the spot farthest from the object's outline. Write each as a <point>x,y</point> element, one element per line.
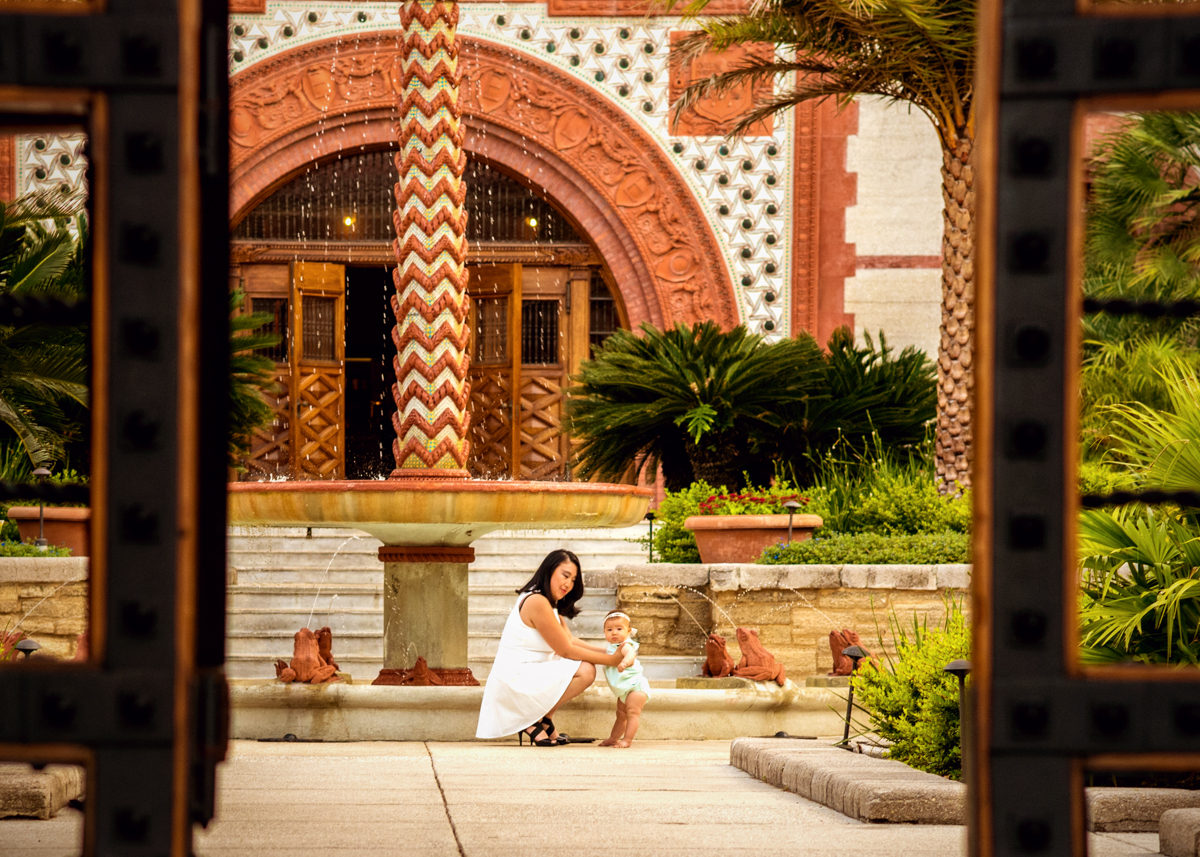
<point>608,742</point>
<point>622,743</point>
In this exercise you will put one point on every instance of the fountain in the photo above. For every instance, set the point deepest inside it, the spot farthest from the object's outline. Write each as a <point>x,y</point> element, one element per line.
<point>428,511</point>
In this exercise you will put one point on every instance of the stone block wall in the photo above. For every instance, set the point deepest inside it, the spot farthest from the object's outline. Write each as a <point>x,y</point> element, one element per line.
<point>47,599</point>
<point>793,607</point>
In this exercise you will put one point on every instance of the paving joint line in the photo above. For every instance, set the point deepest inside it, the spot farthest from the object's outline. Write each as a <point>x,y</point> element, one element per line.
<point>445,804</point>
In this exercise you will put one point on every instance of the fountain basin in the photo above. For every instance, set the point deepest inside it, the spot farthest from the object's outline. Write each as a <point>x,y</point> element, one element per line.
<point>427,526</point>
<point>436,512</point>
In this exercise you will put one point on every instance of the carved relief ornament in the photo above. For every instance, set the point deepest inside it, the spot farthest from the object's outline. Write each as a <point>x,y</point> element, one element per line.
<point>279,107</point>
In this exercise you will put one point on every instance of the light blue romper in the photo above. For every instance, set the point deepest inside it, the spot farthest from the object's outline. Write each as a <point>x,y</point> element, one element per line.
<point>632,678</point>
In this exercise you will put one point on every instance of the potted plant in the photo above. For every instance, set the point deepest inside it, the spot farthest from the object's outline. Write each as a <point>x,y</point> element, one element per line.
<point>738,527</point>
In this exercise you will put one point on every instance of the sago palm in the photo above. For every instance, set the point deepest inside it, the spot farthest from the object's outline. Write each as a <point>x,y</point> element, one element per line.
<point>916,52</point>
<point>694,399</point>
<point>250,375</point>
<point>875,399</point>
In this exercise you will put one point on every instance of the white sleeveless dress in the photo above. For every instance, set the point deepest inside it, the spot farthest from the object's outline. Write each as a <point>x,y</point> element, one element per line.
<point>527,678</point>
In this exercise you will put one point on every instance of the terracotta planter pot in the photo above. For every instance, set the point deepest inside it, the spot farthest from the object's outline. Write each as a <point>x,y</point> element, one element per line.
<point>742,538</point>
<point>65,526</point>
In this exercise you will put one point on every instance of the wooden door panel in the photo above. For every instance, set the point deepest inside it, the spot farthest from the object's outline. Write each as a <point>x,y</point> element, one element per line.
<point>270,447</point>
<point>318,350</point>
<point>491,423</point>
<point>543,446</point>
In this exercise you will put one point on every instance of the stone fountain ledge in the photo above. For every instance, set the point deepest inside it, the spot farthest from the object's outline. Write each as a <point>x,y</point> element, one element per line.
<point>882,790</point>
<point>48,597</point>
<point>793,607</point>
<point>731,577</point>
<point>361,712</point>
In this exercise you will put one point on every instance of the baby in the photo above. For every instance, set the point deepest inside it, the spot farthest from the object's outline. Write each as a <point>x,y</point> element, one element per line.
<point>627,681</point>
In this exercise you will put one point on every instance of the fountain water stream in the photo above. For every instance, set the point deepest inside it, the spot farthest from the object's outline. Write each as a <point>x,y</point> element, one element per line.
<point>428,512</point>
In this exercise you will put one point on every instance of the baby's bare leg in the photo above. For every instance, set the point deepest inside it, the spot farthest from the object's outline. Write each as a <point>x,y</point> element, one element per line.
<point>633,716</point>
<point>618,727</point>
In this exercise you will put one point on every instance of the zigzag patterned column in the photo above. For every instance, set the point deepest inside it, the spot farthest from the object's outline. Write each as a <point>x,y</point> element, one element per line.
<point>430,303</point>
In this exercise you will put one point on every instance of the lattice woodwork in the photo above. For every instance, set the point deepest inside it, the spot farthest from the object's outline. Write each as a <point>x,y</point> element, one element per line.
<point>270,447</point>
<point>491,423</point>
<point>319,418</point>
<point>543,453</point>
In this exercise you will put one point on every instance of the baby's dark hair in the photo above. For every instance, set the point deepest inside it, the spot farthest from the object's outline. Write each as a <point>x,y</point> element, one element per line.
<point>540,582</point>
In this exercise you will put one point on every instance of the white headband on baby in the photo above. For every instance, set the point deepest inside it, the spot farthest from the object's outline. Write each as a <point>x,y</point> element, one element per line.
<point>617,614</point>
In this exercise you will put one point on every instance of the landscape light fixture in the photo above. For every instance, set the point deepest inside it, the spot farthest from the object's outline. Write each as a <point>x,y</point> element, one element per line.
<point>650,519</point>
<point>41,473</point>
<point>791,506</point>
<point>855,654</point>
<point>27,646</point>
<point>959,669</point>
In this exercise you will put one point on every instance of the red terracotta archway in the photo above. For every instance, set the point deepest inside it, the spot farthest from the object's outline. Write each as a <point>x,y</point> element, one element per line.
<point>594,161</point>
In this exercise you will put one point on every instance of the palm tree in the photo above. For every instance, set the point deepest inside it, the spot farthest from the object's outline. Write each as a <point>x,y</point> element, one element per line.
<point>916,52</point>
<point>1143,243</point>
<point>43,371</point>
<point>694,399</point>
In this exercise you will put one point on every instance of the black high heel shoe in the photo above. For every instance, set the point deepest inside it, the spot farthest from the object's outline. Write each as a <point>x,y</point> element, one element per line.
<point>533,731</point>
<point>550,730</point>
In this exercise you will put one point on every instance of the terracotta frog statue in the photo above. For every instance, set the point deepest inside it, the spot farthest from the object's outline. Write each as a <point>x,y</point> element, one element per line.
<point>717,662</point>
<point>842,665</point>
<point>325,646</point>
<point>757,664</point>
<point>306,664</point>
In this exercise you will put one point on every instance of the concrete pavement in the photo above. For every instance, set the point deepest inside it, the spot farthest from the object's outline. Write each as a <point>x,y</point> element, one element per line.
<point>496,799</point>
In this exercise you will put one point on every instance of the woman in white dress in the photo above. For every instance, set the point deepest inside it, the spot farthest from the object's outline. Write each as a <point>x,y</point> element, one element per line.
<point>539,664</point>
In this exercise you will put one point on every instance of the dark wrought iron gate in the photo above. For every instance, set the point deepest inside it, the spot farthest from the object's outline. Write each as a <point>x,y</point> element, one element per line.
<point>146,80</point>
<point>1041,719</point>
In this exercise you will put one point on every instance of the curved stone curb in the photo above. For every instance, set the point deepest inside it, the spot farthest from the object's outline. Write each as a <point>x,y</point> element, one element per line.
<point>882,790</point>
<point>38,794</point>
<point>1179,833</point>
<point>862,787</point>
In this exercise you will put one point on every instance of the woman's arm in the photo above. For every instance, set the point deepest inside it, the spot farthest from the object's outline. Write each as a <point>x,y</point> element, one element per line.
<point>536,611</point>
<point>590,646</point>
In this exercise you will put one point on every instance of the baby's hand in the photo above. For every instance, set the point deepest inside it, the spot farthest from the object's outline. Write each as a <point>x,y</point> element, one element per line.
<point>626,662</point>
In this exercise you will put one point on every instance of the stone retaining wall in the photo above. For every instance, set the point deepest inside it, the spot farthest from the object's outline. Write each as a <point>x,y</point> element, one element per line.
<point>47,598</point>
<point>793,607</point>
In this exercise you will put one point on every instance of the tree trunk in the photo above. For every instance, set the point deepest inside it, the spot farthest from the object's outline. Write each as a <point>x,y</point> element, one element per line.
<point>717,459</point>
<point>955,365</point>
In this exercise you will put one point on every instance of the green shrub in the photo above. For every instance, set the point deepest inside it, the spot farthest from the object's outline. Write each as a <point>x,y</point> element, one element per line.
<point>872,549</point>
<point>884,491</point>
<point>1095,477</point>
<point>28,549</point>
<point>913,703</point>
<point>672,541</point>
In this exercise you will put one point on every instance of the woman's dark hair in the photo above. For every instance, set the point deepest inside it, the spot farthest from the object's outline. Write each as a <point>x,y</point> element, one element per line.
<point>540,582</point>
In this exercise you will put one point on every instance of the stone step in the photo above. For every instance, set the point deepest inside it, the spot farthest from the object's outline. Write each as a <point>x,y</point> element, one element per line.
<point>279,644</point>
<point>362,668</point>
<point>658,668</point>
<point>341,621</point>
<point>303,598</point>
<point>255,576</point>
<point>587,625</point>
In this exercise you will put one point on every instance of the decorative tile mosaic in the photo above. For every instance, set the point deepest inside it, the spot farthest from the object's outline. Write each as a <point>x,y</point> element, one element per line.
<point>744,183</point>
<point>51,162</point>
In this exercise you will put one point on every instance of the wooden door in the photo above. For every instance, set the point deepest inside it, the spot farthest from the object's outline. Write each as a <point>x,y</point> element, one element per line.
<point>318,350</point>
<point>495,293</point>
<point>539,443</point>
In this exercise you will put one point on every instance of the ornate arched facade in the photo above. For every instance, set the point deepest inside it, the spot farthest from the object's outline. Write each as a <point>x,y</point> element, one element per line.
<point>598,166</point>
